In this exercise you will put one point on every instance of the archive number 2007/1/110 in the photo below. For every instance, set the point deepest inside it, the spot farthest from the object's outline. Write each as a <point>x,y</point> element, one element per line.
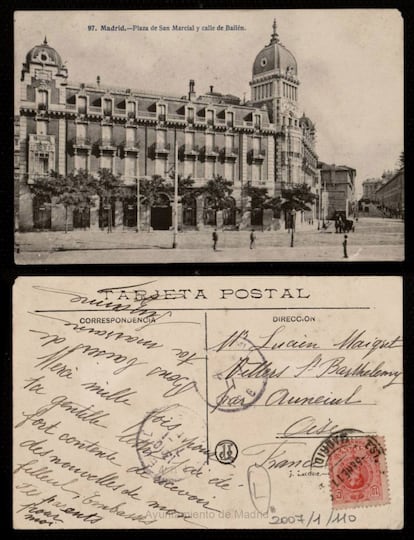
<point>314,518</point>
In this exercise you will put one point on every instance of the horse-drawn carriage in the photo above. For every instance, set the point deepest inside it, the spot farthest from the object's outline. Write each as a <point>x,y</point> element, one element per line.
<point>342,224</point>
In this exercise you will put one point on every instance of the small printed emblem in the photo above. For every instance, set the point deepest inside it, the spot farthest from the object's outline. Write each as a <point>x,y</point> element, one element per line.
<point>226,452</point>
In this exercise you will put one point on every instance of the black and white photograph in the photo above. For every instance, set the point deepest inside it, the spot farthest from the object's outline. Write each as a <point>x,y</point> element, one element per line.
<point>208,136</point>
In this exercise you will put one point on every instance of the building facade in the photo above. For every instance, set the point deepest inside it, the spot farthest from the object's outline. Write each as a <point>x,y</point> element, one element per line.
<point>338,183</point>
<point>66,127</point>
<point>370,187</point>
<point>390,196</point>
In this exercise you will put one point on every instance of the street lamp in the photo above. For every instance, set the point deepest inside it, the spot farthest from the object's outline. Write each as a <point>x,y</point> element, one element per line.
<point>174,245</point>
<point>138,227</point>
<point>292,226</point>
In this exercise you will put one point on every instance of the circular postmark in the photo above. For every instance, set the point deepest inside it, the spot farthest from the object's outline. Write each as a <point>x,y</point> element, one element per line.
<point>170,442</point>
<point>327,446</point>
<point>226,452</point>
<point>239,376</point>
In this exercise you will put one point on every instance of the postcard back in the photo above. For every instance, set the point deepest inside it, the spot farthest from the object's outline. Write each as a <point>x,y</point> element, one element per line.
<point>214,402</point>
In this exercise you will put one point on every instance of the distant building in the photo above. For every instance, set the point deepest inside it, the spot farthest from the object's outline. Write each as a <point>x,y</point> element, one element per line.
<point>390,196</point>
<point>370,187</point>
<point>338,182</point>
<point>66,126</point>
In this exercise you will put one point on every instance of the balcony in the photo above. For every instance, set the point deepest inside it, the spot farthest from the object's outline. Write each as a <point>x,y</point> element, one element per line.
<point>42,107</point>
<point>81,143</point>
<point>130,146</point>
<point>93,109</point>
<point>210,152</point>
<point>257,154</point>
<point>190,150</point>
<point>161,149</point>
<point>162,117</point>
<point>131,114</point>
<point>230,153</point>
<point>106,144</point>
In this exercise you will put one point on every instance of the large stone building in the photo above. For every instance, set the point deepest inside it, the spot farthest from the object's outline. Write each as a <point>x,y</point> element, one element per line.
<point>390,196</point>
<point>370,187</point>
<point>63,127</point>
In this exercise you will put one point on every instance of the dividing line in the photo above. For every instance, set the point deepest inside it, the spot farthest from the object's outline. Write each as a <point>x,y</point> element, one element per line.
<point>206,374</point>
<point>156,308</point>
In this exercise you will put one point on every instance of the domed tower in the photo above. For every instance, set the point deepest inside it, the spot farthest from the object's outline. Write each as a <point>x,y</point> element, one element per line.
<point>44,60</point>
<point>275,84</point>
<point>42,102</point>
<point>275,80</point>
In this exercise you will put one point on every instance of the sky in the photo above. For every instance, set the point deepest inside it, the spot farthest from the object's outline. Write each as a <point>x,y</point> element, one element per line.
<point>350,65</point>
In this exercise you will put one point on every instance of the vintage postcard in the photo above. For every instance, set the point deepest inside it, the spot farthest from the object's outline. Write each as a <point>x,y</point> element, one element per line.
<point>207,402</point>
<point>209,136</point>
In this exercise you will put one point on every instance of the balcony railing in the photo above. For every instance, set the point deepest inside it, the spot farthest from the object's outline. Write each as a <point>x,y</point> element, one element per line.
<point>257,154</point>
<point>81,142</point>
<point>230,153</point>
<point>106,144</point>
<point>131,114</point>
<point>162,148</point>
<point>210,152</point>
<point>130,146</point>
<point>146,114</point>
<point>190,149</point>
<point>42,107</point>
<point>162,117</point>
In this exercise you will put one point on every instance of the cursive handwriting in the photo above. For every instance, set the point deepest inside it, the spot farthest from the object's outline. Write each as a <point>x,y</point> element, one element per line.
<point>355,342</point>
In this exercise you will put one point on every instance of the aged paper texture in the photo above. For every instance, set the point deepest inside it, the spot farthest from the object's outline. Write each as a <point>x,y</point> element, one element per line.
<point>216,136</point>
<point>213,402</point>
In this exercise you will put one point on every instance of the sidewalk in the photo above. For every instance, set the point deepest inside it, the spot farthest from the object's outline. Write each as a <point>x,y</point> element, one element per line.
<point>222,255</point>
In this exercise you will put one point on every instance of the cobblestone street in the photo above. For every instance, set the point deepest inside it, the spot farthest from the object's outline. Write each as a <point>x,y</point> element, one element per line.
<point>374,239</point>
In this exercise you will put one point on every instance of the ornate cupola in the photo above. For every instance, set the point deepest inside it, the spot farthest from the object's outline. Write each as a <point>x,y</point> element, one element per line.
<point>275,80</point>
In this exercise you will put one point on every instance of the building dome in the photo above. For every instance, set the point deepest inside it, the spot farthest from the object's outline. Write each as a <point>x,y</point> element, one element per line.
<point>306,123</point>
<point>44,54</point>
<point>275,57</point>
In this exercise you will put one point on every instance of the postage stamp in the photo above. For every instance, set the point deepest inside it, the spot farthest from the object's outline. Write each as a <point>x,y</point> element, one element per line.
<point>358,473</point>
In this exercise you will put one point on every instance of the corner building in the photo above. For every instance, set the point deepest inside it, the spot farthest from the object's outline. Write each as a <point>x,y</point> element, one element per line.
<point>264,142</point>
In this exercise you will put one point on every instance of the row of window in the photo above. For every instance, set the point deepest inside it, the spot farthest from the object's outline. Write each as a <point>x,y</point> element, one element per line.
<point>290,91</point>
<point>263,91</point>
<point>42,166</point>
<point>161,136</point>
<point>131,106</point>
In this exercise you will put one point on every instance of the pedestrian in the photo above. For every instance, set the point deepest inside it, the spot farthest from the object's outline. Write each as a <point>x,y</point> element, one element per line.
<point>252,239</point>
<point>215,239</point>
<point>345,244</point>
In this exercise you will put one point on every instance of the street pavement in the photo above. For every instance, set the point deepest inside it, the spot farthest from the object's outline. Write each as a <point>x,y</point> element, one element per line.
<point>375,239</point>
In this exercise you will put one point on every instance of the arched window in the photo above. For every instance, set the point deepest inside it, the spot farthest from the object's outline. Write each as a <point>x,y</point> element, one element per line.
<point>42,99</point>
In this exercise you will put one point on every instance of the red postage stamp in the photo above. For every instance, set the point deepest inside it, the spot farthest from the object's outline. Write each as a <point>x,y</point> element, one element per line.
<point>358,473</point>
